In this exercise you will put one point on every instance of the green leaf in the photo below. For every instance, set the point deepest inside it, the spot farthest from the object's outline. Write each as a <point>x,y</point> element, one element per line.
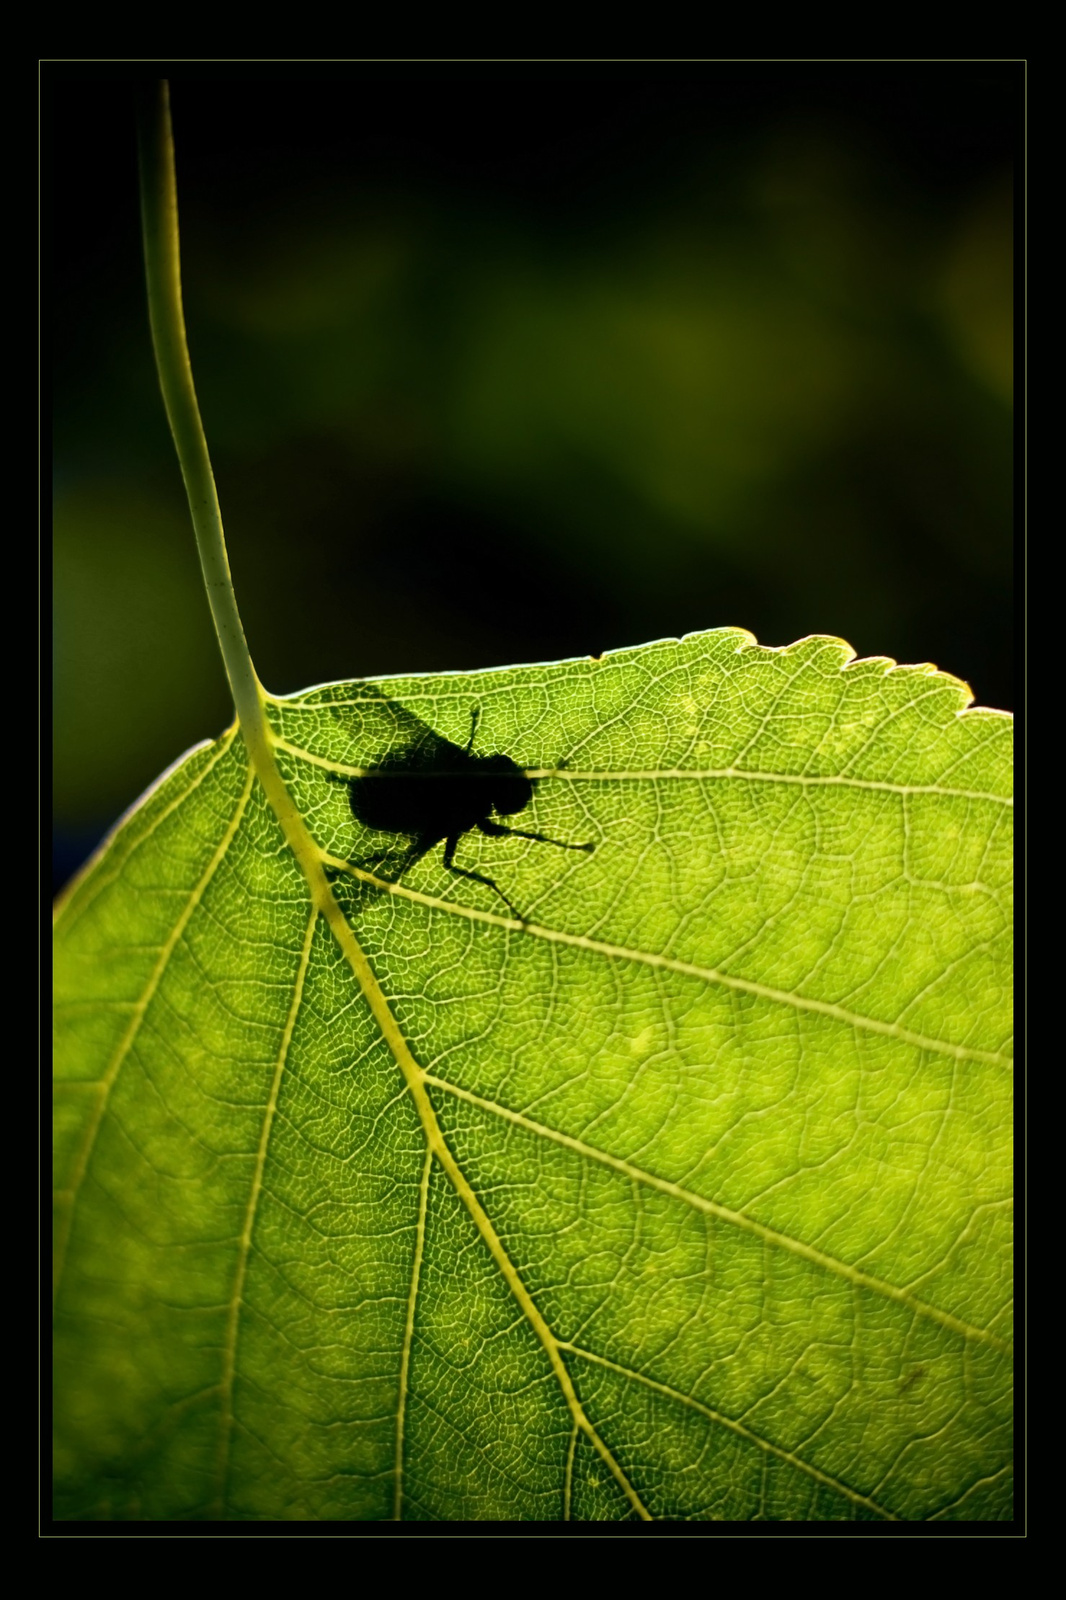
<point>686,1196</point>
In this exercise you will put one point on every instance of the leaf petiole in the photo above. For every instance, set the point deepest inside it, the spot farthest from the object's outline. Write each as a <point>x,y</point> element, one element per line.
<point>162,257</point>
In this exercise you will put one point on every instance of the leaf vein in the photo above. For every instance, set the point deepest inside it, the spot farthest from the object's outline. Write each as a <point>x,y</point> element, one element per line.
<point>72,904</point>
<point>229,1359</point>
<point>761,991</point>
<point>68,1196</point>
<point>408,1332</point>
<point>739,1428</point>
<point>739,1219</point>
<point>695,774</point>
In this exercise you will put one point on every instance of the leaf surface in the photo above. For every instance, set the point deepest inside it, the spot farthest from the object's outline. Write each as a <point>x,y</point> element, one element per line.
<point>705,1209</point>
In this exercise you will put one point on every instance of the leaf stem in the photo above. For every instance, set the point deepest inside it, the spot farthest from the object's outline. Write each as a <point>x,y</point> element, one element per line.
<point>159,219</point>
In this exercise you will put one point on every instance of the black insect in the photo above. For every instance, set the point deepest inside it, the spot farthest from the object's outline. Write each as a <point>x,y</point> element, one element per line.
<point>431,790</point>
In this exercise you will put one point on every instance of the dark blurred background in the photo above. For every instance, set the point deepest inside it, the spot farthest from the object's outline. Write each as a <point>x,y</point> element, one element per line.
<point>506,363</point>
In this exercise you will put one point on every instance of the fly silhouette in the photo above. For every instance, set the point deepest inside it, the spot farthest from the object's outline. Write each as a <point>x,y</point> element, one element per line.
<point>431,790</point>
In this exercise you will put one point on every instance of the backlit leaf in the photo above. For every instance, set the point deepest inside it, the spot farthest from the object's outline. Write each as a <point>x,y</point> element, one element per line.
<point>717,1223</point>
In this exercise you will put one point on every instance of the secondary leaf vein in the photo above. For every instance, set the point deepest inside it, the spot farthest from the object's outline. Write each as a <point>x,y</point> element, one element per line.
<point>735,1427</point>
<point>761,991</point>
<point>67,1198</point>
<point>229,1359</point>
<point>408,1332</point>
<point>772,1236</point>
<point>655,775</point>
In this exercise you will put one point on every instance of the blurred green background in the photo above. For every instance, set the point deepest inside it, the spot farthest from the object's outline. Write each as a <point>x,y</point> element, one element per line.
<point>507,363</point>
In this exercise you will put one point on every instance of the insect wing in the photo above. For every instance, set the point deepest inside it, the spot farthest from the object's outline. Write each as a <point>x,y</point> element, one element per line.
<point>380,730</point>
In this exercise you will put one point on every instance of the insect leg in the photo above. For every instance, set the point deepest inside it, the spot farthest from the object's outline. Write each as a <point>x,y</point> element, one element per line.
<point>476,877</point>
<point>475,718</point>
<point>496,829</point>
